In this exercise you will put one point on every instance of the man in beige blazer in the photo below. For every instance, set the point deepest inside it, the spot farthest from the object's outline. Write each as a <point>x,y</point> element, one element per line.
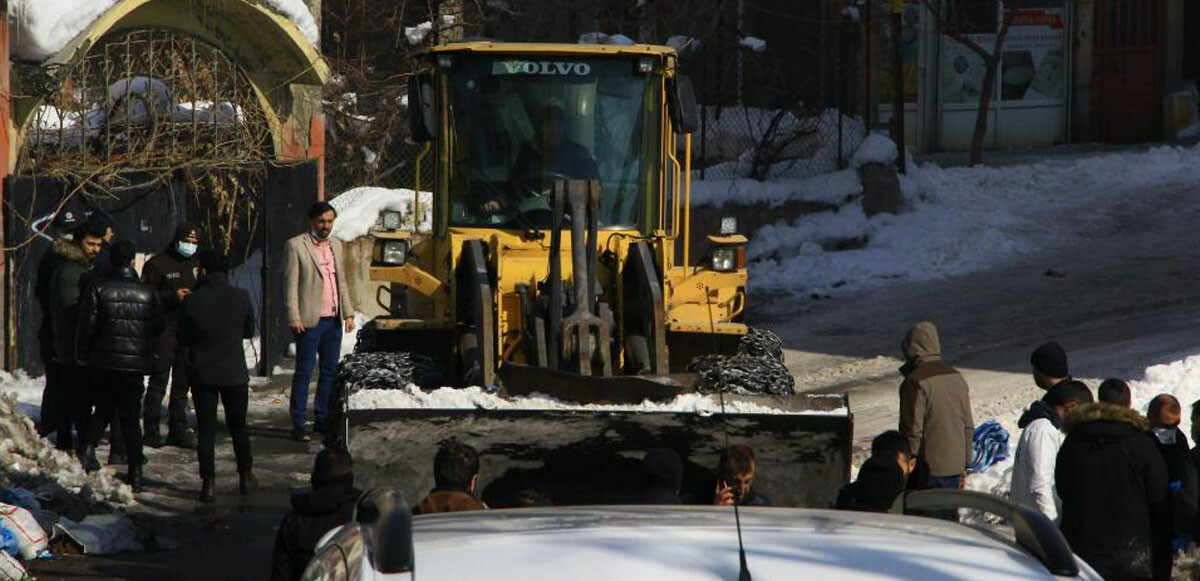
<point>319,309</point>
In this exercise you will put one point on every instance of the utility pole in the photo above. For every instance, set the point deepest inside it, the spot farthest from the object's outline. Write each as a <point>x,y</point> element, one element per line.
<point>898,81</point>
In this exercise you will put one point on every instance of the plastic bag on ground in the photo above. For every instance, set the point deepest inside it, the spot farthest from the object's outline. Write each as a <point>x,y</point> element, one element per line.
<point>11,569</point>
<point>31,539</point>
<point>102,534</point>
<point>8,542</point>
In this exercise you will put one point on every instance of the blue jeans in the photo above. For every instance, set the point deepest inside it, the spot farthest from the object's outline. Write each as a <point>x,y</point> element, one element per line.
<point>944,482</point>
<point>325,342</point>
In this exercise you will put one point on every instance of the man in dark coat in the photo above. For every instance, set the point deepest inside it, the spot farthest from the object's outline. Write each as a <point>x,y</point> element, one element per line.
<point>455,476</point>
<point>329,504</point>
<point>55,417</point>
<point>119,320</point>
<point>1113,484</point>
<point>935,408</point>
<point>73,259</point>
<point>662,476</point>
<point>1164,415</point>
<point>882,477</point>
<point>173,274</point>
<point>215,319</point>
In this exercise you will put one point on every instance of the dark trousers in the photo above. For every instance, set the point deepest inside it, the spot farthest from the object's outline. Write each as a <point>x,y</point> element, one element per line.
<point>235,399</point>
<point>172,360</point>
<point>118,393</point>
<point>945,483</point>
<point>58,406</point>
<point>323,341</point>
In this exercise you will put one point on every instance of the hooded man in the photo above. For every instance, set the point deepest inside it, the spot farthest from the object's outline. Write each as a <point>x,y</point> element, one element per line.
<point>935,408</point>
<point>1037,450</point>
<point>173,274</point>
<point>329,504</point>
<point>1113,484</point>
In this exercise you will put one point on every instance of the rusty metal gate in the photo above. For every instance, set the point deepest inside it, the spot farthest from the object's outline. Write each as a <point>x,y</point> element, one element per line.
<point>1126,79</point>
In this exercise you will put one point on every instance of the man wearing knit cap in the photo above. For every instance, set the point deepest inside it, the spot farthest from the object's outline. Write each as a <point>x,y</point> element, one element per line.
<point>329,504</point>
<point>935,408</point>
<point>1049,365</point>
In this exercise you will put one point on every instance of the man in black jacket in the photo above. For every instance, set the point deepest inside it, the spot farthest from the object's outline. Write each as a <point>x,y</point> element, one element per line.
<point>882,477</point>
<point>329,504</point>
<point>1164,415</point>
<point>215,319</point>
<point>119,320</point>
<point>55,417</point>
<point>173,274</point>
<point>662,476</point>
<point>73,259</point>
<point>1113,485</point>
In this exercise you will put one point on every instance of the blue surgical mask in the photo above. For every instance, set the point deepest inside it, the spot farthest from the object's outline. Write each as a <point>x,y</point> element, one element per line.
<point>185,249</point>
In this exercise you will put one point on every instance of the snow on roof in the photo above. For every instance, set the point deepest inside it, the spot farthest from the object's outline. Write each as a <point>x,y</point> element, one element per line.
<point>41,28</point>
<point>358,210</point>
<point>476,398</point>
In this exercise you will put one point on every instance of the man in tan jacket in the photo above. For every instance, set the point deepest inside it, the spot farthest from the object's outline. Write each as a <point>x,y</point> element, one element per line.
<point>935,408</point>
<point>319,309</point>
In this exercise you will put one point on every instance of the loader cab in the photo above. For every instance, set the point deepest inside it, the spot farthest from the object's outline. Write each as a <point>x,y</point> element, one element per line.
<point>506,126</point>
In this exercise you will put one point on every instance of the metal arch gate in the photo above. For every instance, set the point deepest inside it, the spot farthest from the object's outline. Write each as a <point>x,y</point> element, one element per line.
<point>1127,78</point>
<point>153,127</point>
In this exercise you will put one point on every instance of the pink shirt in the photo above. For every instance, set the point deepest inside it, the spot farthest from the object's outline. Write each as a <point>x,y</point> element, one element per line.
<point>329,295</point>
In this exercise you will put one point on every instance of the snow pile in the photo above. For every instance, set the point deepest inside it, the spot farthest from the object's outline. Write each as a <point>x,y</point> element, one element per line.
<point>28,460</point>
<point>681,43</point>
<point>602,38</point>
<point>476,398</point>
<point>41,28</point>
<point>753,43</point>
<point>358,210</point>
<point>875,149</point>
<point>963,220</point>
<point>417,34</point>
<point>1178,378</point>
<point>831,188</point>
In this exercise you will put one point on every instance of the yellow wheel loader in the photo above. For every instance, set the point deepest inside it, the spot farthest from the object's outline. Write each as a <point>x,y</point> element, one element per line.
<point>557,291</point>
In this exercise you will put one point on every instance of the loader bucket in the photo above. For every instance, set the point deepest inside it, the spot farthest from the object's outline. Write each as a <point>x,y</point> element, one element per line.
<point>571,455</point>
<point>517,379</point>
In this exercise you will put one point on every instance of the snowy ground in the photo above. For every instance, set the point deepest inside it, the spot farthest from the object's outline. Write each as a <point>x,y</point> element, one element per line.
<point>1095,252</point>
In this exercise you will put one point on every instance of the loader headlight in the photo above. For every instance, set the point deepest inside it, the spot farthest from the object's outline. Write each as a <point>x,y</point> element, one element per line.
<point>392,220</point>
<point>724,259</point>
<point>394,252</point>
<point>728,225</point>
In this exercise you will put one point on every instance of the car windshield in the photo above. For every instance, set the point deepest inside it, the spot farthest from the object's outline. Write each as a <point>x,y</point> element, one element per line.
<point>522,123</point>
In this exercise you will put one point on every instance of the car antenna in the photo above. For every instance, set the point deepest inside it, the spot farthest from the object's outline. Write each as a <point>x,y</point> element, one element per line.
<point>743,570</point>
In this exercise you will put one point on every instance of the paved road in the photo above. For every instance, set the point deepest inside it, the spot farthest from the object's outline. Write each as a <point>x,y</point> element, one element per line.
<point>1130,298</point>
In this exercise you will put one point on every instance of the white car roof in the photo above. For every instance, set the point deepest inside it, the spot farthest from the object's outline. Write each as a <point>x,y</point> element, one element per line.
<point>684,543</point>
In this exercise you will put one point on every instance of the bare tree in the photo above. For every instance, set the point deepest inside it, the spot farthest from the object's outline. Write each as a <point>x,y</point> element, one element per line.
<point>951,23</point>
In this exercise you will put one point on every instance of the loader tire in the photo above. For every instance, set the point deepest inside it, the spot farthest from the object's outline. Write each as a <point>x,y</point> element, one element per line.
<point>743,375</point>
<point>383,370</point>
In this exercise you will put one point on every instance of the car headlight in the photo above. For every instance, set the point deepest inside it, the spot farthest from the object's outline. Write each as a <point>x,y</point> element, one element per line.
<point>728,225</point>
<point>724,259</point>
<point>394,252</point>
<point>392,220</point>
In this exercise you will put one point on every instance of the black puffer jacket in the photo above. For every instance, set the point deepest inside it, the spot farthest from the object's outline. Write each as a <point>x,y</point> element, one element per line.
<point>313,514</point>
<point>119,319</point>
<point>1113,484</point>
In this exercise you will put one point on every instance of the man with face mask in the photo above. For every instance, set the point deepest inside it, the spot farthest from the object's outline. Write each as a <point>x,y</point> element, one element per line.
<point>319,311</point>
<point>1164,415</point>
<point>173,274</point>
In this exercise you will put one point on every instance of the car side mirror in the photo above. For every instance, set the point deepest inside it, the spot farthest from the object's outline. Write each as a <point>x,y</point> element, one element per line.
<point>420,108</point>
<point>684,115</point>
